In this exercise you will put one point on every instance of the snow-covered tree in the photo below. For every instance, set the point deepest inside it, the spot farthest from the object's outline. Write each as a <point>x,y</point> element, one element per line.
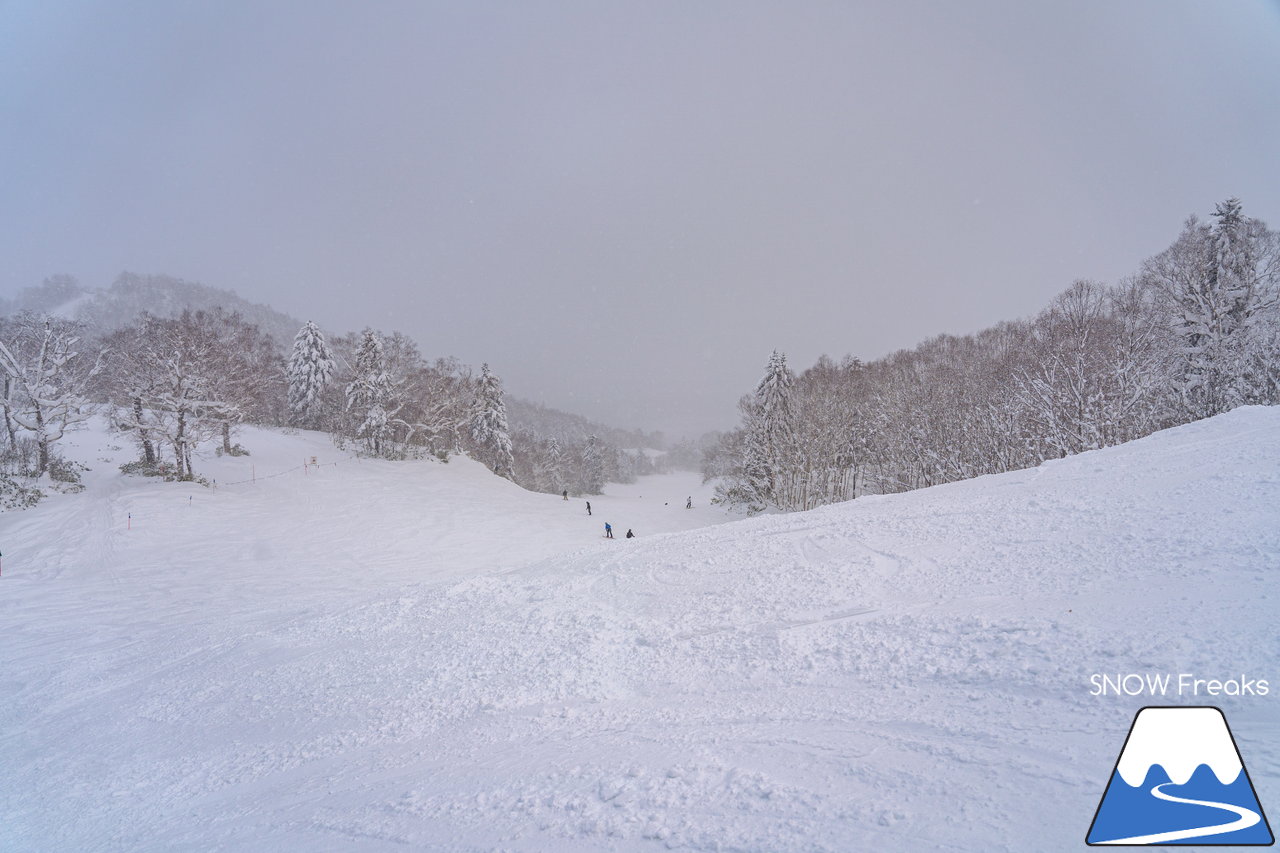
<point>762,477</point>
<point>824,464</point>
<point>369,393</point>
<point>489,429</point>
<point>754,486</point>
<point>1196,333</point>
<point>620,466</point>
<point>187,352</point>
<point>173,382</point>
<point>439,415</point>
<point>1064,390</point>
<point>774,424</point>
<point>591,467</point>
<point>130,378</point>
<point>310,368</point>
<point>549,473</point>
<point>1262,357</point>
<point>244,370</point>
<point>1095,376</point>
<point>8,388</point>
<point>47,379</point>
<point>1218,281</point>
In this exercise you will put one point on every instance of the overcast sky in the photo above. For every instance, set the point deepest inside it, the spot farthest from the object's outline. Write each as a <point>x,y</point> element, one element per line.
<point>623,207</point>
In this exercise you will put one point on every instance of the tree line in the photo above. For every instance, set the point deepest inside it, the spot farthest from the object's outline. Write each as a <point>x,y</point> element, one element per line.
<point>1195,332</point>
<point>178,385</point>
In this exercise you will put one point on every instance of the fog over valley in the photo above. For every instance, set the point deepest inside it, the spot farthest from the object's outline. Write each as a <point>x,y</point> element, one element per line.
<point>625,209</point>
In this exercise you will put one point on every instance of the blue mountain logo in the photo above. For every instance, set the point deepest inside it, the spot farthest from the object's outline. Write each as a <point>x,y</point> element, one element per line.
<point>1180,780</point>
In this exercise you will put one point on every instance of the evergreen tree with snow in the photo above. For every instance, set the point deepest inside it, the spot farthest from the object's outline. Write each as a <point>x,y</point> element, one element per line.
<point>754,486</point>
<point>1219,281</point>
<point>771,432</point>
<point>549,468</point>
<point>591,472</point>
<point>768,432</point>
<point>489,428</point>
<point>369,392</point>
<point>308,373</point>
<point>773,408</point>
<point>1246,270</point>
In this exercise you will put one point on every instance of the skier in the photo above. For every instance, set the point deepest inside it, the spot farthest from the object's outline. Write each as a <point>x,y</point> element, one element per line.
<point>566,494</point>
<point>588,507</point>
<point>689,503</point>
<point>630,535</point>
<point>608,530</point>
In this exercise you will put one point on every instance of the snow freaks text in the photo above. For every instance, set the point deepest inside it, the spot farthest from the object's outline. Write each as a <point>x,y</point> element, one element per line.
<point>1170,684</point>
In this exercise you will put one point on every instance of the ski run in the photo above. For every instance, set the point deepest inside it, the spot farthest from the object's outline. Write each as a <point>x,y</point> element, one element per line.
<point>385,656</point>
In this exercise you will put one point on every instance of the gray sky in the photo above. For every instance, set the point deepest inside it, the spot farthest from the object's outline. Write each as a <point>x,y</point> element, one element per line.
<point>624,207</point>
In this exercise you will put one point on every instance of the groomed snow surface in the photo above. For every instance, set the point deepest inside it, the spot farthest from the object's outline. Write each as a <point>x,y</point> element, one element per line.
<point>419,656</point>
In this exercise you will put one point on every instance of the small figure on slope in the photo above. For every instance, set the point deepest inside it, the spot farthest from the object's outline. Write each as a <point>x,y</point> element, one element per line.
<point>689,503</point>
<point>608,530</point>
<point>630,535</point>
<point>588,507</point>
<point>566,494</point>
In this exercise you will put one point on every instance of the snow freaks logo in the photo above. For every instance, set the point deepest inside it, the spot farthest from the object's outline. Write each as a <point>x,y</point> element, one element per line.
<point>1182,684</point>
<point>1180,780</point>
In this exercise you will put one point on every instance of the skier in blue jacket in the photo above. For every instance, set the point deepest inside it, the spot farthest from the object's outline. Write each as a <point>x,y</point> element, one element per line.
<point>608,530</point>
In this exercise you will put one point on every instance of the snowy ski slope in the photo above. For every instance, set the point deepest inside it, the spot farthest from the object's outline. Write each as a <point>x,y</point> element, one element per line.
<point>409,656</point>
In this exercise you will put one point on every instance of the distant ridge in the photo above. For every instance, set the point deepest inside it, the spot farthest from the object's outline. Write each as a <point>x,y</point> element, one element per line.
<point>109,308</point>
<point>131,294</point>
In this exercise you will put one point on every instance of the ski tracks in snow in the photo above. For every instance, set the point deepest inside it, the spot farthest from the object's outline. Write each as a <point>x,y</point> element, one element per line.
<point>441,662</point>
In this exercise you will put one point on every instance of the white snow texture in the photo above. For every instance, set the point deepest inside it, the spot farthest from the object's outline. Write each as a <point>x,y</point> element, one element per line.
<point>382,656</point>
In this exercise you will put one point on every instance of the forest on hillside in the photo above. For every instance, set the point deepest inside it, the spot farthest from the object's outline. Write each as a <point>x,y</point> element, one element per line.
<point>178,382</point>
<point>1195,332</point>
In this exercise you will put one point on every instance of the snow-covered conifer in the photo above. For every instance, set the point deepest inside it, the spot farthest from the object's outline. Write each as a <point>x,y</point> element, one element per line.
<point>762,475</point>
<point>369,392</point>
<point>591,471</point>
<point>1217,279</point>
<point>309,371</point>
<point>757,474</point>
<point>773,406</point>
<point>549,468</point>
<point>771,430</point>
<point>489,428</point>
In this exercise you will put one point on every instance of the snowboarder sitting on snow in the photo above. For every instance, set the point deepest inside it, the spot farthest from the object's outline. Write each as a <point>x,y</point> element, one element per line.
<point>608,530</point>
<point>630,535</point>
